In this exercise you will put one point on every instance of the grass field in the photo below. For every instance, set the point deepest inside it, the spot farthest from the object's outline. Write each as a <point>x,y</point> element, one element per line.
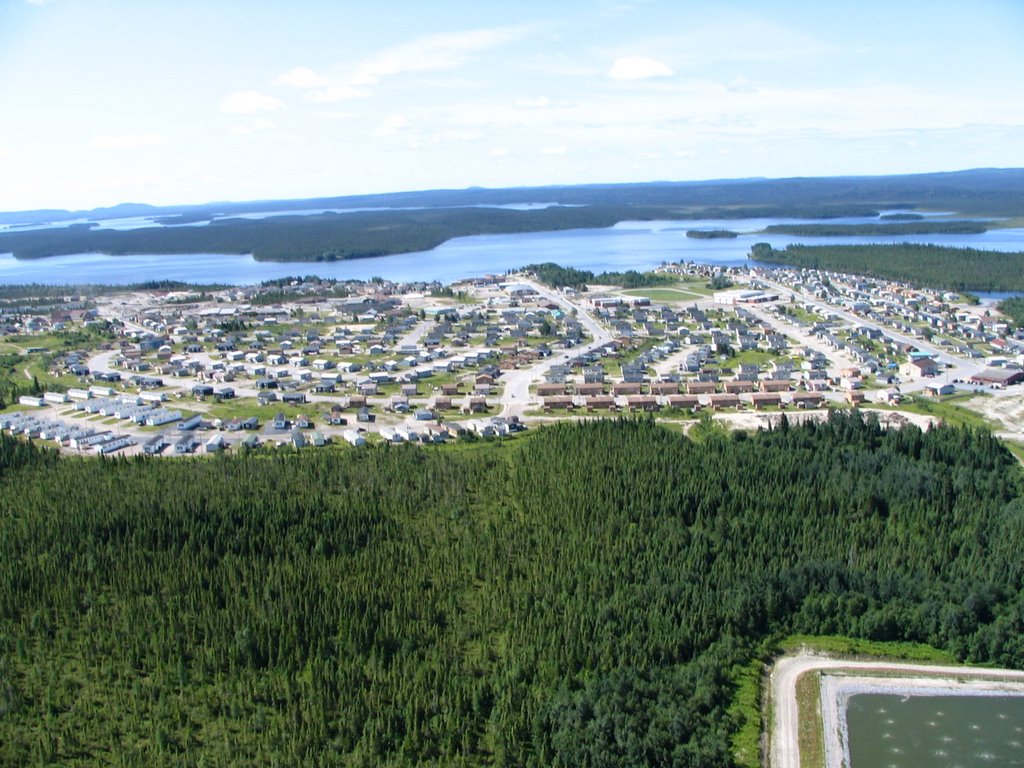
<point>948,409</point>
<point>684,290</point>
<point>811,728</point>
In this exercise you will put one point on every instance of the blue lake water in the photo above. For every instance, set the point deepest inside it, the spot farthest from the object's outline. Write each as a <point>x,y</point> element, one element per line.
<point>627,245</point>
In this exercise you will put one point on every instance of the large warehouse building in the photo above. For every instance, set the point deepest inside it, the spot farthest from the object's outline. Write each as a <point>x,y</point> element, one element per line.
<point>998,377</point>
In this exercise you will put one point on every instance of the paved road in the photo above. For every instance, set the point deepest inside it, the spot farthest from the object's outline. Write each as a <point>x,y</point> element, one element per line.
<point>412,338</point>
<point>962,368</point>
<point>515,397</point>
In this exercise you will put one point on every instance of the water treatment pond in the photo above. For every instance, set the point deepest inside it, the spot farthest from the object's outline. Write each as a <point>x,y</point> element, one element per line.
<point>894,731</point>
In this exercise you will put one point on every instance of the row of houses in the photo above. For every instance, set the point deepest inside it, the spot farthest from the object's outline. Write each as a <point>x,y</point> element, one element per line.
<point>716,401</point>
<point>74,436</point>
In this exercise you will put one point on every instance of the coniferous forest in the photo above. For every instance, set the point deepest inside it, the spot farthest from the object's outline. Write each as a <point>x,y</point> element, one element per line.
<point>577,597</point>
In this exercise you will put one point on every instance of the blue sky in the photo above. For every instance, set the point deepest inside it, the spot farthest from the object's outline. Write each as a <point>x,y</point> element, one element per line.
<point>108,101</point>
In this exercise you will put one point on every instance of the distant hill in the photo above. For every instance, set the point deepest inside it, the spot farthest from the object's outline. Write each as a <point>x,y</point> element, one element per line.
<point>985,183</point>
<point>427,218</point>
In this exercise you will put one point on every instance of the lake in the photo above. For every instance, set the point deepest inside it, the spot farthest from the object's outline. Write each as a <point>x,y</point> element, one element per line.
<point>627,245</point>
<point>895,731</point>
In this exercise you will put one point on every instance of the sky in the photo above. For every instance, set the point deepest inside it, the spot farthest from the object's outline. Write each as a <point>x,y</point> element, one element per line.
<point>110,101</point>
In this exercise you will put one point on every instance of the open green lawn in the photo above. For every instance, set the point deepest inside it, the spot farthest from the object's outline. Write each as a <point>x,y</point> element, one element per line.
<point>245,407</point>
<point>947,408</point>
<point>670,294</point>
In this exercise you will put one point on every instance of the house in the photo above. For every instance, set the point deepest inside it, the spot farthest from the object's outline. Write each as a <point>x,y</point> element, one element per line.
<point>585,389</point>
<point>187,444</point>
<point>200,391</point>
<point>683,402</point>
<point>549,389</point>
<point>664,388</point>
<point>938,389</point>
<point>114,444</point>
<point>475,404</point>
<point>701,387</point>
<point>280,422</point>
<point>354,437</point>
<point>739,386</point>
<point>765,400</point>
<point>919,367</point>
<point>155,445</point>
<point>192,422</point>
<point>807,399</point>
<point>642,403</point>
<point>719,401</point>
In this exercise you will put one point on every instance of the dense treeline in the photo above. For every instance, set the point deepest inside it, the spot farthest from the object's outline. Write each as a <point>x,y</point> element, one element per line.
<point>1014,308</point>
<point>325,237</point>
<point>557,276</point>
<point>711,234</point>
<point>577,598</point>
<point>362,234</point>
<point>931,265</point>
<point>901,217</point>
<point>880,230</point>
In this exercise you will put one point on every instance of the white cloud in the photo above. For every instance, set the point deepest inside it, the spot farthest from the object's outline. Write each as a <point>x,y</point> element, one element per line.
<point>335,93</point>
<point>498,152</point>
<point>638,68</point>
<point>36,2</point>
<point>392,125</point>
<point>558,150</point>
<point>254,126</point>
<point>424,54</point>
<point>249,103</point>
<point>432,52</point>
<point>302,77</point>
<point>539,103</point>
<point>128,141</point>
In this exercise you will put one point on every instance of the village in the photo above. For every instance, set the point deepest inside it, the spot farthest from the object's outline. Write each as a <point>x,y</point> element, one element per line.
<point>311,363</point>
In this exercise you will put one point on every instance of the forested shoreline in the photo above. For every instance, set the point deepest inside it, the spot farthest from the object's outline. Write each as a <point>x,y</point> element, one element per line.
<point>403,222</point>
<point>576,598</point>
<point>935,266</point>
<point>367,234</point>
<point>884,229</point>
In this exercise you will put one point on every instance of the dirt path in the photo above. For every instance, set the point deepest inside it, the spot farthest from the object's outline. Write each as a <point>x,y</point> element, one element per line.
<point>785,744</point>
